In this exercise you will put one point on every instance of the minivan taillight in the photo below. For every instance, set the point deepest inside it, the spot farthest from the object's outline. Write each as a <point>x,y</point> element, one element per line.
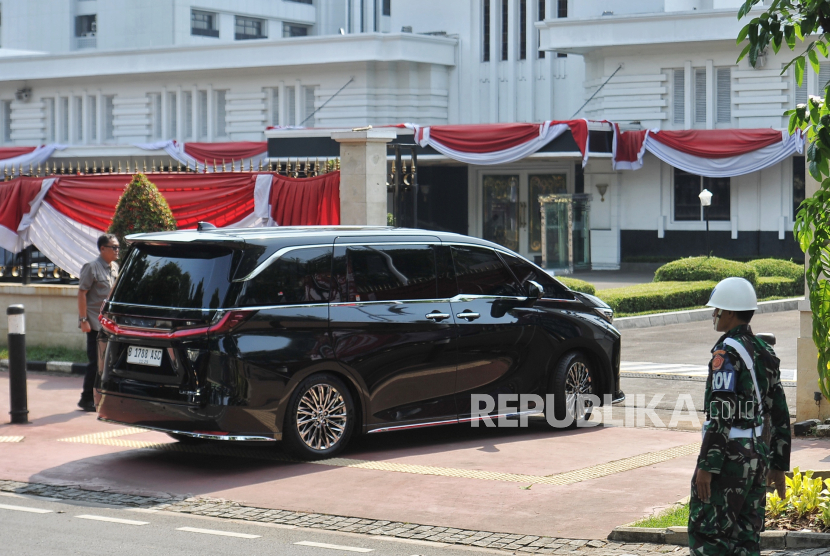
<point>225,323</point>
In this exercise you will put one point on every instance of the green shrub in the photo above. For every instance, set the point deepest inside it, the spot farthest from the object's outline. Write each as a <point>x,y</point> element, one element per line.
<point>658,296</point>
<point>778,286</point>
<point>141,209</point>
<point>777,267</point>
<point>578,285</point>
<point>694,269</point>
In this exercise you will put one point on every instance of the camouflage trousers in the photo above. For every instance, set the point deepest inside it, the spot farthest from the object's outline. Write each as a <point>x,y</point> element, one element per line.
<point>732,521</point>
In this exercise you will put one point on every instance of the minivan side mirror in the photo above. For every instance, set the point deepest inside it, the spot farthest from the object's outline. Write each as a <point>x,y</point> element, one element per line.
<point>535,290</point>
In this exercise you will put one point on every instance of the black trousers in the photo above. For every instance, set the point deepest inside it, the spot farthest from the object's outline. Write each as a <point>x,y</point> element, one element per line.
<point>92,367</point>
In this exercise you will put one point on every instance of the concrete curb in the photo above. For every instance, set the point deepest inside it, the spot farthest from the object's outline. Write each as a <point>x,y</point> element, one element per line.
<point>695,315</point>
<point>50,366</point>
<point>680,536</point>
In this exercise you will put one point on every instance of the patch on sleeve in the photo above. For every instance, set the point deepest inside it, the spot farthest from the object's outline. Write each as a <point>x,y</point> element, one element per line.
<point>718,359</point>
<point>723,377</point>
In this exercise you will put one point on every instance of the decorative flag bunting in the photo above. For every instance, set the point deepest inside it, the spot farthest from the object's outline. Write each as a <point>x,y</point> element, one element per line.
<point>487,144</point>
<point>64,215</point>
<point>712,153</point>
<point>221,155</point>
<point>13,158</point>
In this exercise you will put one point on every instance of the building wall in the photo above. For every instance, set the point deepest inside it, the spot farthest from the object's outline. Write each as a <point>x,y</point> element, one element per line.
<point>51,314</point>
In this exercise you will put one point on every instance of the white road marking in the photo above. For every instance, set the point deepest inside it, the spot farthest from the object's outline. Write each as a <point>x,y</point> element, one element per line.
<point>787,375</point>
<point>142,510</point>
<point>220,533</point>
<point>334,546</point>
<point>112,519</point>
<point>410,541</point>
<point>24,509</point>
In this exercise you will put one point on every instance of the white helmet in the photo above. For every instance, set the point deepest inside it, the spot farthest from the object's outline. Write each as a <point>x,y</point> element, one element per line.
<point>733,294</point>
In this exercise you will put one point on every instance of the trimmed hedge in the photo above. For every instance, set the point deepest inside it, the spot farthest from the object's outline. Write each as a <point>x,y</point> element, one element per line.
<point>658,296</point>
<point>779,286</point>
<point>578,285</point>
<point>777,267</point>
<point>695,269</point>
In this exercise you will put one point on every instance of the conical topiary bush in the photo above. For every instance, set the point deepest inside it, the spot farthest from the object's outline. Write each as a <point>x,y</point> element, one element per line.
<point>141,209</point>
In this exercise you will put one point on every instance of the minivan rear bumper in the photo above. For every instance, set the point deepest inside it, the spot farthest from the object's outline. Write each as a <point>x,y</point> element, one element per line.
<point>210,421</point>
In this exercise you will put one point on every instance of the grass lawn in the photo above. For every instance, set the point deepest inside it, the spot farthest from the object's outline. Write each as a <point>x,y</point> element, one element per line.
<point>49,353</point>
<point>621,315</point>
<point>674,517</point>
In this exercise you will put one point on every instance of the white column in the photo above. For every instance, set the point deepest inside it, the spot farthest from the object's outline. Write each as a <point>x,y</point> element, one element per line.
<point>689,81</point>
<point>532,55</point>
<point>165,115</point>
<point>512,58</point>
<point>84,117</point>
<point>281,107</point>
<point>495,42</point>
<point>58,117</point>
<point>711,89</point>
<point>73,130</point>
<point>179,115</point>
<point>363,176</point>
<point>299,97</point>
<point>211,113</point>
<point>99,117</point>
<point>194,118</point>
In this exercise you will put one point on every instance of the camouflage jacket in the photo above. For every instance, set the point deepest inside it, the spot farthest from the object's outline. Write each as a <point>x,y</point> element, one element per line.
<point>730,401</point>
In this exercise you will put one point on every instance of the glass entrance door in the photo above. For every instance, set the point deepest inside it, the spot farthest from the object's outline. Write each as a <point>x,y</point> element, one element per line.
<point>501,210</point>
<point>541,185</point>
<point>566,232</point>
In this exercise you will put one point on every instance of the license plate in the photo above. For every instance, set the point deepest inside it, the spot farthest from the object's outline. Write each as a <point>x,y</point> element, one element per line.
<point>144,356</point>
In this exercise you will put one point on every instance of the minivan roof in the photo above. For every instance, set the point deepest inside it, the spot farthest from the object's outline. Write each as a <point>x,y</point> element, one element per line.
<point>299,235</point>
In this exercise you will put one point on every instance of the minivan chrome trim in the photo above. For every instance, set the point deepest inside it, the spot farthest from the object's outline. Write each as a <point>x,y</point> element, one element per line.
<point>387,302</point>
<point>204,436</point>
<point>204,310</point>
<point>452,421</point>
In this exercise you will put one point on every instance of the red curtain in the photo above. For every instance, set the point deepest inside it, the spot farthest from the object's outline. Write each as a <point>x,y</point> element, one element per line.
<point>306,201</point>
<point>11,152</point>
<point>221,199</point>
<point>15,197</point>
<point>235,150</point>
<point>629,144</point>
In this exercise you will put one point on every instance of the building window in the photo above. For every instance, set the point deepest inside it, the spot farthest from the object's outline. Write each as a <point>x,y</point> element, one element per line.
<point>541,12</point>
<point>7,121</point>
<point>250,28</point>
<point>523,30</point>
<point>109,118</point>
<point>485,43</point>
<point>700,96</point>
<point>221,129</point>
<point>561,54</point>
<point>203,24</point>
<point>291,106</point>
<point>724,95</point>
<point>49,117</point>
<point>679,96</point>
<point>93,118</point>
<point>187,110</point>
<point>562,8</point>
<point>802,94</point>
<point>203,115</point>
<point>155,115</point>
<point>86,27</point>
<point>274,106</point>
<point>64,106</point>
<point>291,30</point>
<point>799,175</point>
<point>505,26</point>
<point>687,188</point>
<point>78,124</point>
<point>386,8</point>
<point>308,119</point>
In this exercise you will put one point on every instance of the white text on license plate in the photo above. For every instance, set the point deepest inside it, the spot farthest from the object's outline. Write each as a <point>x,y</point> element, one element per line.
<point>144,356</point>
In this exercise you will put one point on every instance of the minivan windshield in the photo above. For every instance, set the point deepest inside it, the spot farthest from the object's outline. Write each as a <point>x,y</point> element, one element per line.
<point>185,276</point>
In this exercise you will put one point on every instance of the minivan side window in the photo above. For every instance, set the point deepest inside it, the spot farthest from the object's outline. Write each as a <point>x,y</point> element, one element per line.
<point>299,276</point>
<point>384,273</point>
<point>479,271</point>
<point>525,271</point>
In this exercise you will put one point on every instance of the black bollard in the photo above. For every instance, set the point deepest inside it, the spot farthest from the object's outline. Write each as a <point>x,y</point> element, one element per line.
<point>17,364</point>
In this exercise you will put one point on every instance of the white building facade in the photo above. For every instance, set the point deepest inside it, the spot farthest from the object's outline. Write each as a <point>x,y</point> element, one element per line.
<point>104,75</point>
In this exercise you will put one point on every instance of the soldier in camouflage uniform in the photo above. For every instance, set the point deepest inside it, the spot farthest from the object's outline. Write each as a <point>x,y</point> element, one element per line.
<point>735,462</point>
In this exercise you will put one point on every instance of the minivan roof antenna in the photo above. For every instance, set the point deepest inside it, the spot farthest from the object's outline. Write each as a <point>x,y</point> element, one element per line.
<point>205,226</point>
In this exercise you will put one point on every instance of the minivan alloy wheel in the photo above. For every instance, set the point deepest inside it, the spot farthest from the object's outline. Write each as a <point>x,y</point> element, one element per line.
<point>321,417</point>
<point>577,385</point>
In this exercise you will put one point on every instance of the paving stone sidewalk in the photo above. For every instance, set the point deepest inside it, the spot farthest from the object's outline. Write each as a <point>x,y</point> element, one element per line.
<point>516,544</point>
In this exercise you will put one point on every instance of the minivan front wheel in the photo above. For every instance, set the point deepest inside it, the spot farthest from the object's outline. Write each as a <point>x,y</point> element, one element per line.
<point>572,379</point>
<point>320,418</point>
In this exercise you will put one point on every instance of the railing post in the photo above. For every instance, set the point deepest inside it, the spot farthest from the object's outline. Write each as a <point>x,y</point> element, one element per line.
<point>26,265</point>
<point>19,410</point>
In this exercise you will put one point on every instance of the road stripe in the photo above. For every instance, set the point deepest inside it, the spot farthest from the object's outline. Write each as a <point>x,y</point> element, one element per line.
<point>220,533</point>
<point>112,519</point>
<point>409,541</point>
<point>24,509</point>
<point>11,438</point>
<point>333,546</point>
<point>787,375</point>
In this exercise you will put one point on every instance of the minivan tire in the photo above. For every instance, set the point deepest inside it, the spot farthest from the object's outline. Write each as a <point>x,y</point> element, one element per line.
<point>320,418</point>
<point>573,374</point>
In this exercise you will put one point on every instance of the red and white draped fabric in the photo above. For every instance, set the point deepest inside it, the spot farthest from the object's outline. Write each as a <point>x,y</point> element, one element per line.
<point>12,159</point>
<point>64,215</point>
<point>487,144</point>
<point>236,155</point>
<point>712,153</point>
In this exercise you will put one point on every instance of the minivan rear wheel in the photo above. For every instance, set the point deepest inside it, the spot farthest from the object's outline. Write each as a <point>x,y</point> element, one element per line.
<point>573,377</point>
<point>320,418</point>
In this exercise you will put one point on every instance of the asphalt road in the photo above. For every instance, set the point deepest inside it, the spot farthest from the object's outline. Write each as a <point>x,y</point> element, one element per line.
<point>42,527</point>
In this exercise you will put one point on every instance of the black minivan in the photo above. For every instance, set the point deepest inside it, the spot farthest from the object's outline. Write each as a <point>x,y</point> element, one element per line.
<point>311,335</point>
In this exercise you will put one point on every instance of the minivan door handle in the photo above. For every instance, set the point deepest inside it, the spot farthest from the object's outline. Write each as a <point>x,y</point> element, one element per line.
<point>468,315</point>
<point>437,317</point>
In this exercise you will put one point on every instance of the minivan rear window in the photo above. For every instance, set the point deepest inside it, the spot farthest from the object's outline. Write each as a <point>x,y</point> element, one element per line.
<point>183,276</point>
